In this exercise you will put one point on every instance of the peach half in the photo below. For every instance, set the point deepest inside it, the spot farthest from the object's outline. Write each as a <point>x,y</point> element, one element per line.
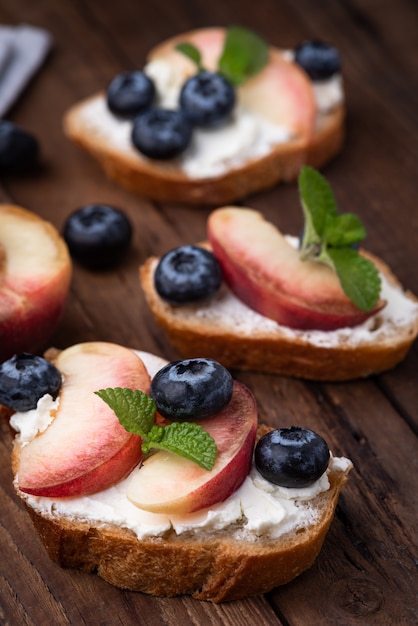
<point>35,275</point>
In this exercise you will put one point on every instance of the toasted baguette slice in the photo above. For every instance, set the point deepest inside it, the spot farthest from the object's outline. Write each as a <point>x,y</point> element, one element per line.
<point>225,329</point>
<point>233,555</point>
<point>217,567</point>
<point>108,141</point>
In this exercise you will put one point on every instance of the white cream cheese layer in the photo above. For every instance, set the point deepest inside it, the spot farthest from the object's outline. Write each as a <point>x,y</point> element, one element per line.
<point>212,151</point>
<point>257,508</point>
<point>328,93</point>
<point>397,314</point>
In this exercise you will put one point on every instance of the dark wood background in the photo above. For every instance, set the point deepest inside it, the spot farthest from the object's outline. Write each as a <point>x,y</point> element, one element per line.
<point>366,573</point>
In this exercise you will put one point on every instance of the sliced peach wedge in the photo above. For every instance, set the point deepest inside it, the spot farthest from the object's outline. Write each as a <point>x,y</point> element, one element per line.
<point>171,484</point>
<point>85,448</point>
<point>280,93</point>
<point>35,274</point>
<point>266,272</point>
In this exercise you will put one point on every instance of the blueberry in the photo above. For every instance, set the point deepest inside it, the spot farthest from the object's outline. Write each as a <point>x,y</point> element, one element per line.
<point>187,274</point>
<point>130,93</point>
<point>291,457</point>
<point>19,149</point>
<point>25,378</point>
<point>207,99</point>
<point>191,390</point>
<point>319,60</point>
<point>97,235</point>
<point>161,133</point>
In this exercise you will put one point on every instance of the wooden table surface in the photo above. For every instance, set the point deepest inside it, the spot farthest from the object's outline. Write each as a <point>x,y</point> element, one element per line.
<point>366,572</point>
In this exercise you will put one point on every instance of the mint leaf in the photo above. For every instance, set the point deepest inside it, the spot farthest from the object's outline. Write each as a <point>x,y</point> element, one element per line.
<point>244,54</point>
<point>134,409</point>
<point>187,439</point>
<point>318,204</point>
<point>358,276</point>
<point>328,238</point>
<point>154,436</point>
<point>136,412</point>
<point>191,52</point>
<point>344,230</point>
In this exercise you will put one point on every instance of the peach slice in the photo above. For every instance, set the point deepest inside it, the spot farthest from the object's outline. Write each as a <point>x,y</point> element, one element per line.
<point>280,93</point>
<point>167,483</point>
<point>265,271</point>
<point>35,275</point>
<point>85,448</point>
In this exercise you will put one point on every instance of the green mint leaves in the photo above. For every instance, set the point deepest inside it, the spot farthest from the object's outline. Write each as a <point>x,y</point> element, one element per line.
<point>136,410</point>
<point>329,238</point>
<point>244,54</point>
<point>190,51</point>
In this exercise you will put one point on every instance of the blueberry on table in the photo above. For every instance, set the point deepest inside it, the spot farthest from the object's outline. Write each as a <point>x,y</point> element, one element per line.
<point>19,149</point>
<point>161,133</point>
<point>130,93</point>
<point>291,457</point>
<point>319,60</point>
<point>97,235</point>
<point>192,389</point>
<point>187,274</point>
<point>207,99</point>
<point>25,378</point>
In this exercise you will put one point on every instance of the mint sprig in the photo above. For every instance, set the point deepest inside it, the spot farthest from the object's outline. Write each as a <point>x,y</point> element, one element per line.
<point>244,54</point>
<point>136,411</point>
<point>329,238</point>
<point>189,50</point>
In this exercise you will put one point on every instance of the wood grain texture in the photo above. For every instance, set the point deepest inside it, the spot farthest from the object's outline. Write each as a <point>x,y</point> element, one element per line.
<point>365,572</point>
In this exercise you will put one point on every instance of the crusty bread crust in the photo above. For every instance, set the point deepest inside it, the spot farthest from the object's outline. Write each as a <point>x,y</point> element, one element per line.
<point>217,568</point>
<point>165,182</point>
<point>289,354</point>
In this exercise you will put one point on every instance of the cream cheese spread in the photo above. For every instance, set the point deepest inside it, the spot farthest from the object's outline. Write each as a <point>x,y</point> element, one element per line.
<point>211,152</point>
<point>329,93</point>
<point>257,508</point>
